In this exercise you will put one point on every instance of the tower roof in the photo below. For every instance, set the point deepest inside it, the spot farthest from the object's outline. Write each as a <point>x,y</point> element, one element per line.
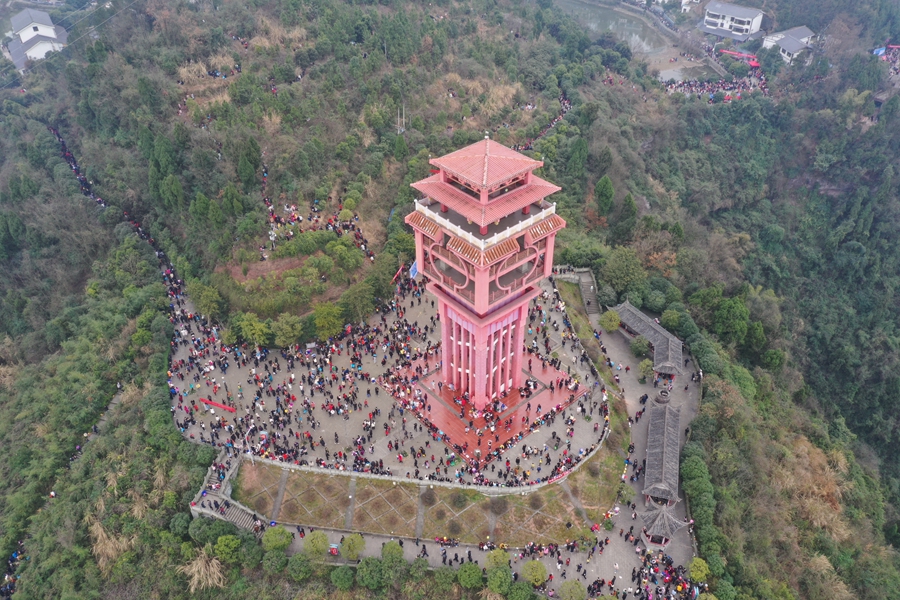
<point>486,163</point>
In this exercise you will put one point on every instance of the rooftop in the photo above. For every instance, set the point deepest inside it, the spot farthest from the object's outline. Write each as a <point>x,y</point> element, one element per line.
<point>28,16</point>
<point>667,356</point>
<point>733,10</point>
<point>17,49</point>
<point>486,163</point>
<point>663,449</point>
<point>660,521</point>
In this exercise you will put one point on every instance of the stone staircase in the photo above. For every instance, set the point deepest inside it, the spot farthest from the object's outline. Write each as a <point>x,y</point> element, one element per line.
<point>588,295</point>
<point>237,513</point>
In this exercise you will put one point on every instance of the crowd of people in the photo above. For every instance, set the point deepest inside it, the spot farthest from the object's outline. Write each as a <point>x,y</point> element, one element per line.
<point>565,105</point>
<point>733,90</point>
<point>290,393</point>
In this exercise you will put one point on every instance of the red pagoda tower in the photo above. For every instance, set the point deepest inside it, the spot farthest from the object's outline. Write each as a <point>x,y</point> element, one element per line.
<point>484,236</point>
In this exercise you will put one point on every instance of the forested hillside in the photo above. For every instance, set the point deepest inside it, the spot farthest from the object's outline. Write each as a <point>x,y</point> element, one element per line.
<point>763,232</point>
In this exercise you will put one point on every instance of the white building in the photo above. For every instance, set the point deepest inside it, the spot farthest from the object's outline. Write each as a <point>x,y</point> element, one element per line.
<point>790,42</point>
<point>731,20</point>
<point>34,36</point>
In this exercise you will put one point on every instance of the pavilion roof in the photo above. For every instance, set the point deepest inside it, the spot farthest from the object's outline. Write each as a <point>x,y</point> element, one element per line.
<point>661,521</point>
<point>486,163</point>
<point>667,357</point>
<point>663,449</point>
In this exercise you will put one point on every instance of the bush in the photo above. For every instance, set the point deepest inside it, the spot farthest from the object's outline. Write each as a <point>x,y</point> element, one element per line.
<point>444,578</point>
<point>274,562</point>
<point>352,546</point>
<point>180,524</point>
<point>205,530</point>
<point>392,550</point>
<point>227,549</point>
<point>499,580</point>
<point>276,539</point>
<point>299,567</point>
<point>469,576</point>
<point>572,590</point>
<point>342,578</point>
<point>316,544</point>
<point>656,301</point>
<point>640,346</point>
<point>520,591</point>
<point>534,572</point>
<point>369,574</point>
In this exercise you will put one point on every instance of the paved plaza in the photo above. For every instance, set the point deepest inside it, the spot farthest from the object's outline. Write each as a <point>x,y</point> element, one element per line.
<point>398,506</point>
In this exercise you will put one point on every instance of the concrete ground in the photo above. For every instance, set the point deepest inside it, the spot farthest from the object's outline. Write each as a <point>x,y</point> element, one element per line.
<point>619,553</point>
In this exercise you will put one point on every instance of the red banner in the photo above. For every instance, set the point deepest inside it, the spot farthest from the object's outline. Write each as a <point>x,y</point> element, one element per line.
<point>216,404</point>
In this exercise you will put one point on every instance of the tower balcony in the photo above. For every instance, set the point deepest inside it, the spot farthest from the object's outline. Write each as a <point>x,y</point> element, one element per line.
<point>505,228</point>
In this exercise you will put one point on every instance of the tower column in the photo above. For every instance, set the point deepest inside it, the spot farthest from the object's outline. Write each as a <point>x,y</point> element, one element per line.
<point>518,345</point>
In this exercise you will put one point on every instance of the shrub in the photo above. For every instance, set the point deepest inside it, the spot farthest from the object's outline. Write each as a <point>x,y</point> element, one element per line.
<point>342,578</point>
<point>274,562</point>
<point>276,539</point>
<point>469,576</point>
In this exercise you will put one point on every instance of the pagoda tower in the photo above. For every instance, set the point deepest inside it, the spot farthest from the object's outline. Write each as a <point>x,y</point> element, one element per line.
<point>484,236</point>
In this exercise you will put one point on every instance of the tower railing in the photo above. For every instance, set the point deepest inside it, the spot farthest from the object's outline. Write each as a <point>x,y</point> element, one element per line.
<point>422,205</point>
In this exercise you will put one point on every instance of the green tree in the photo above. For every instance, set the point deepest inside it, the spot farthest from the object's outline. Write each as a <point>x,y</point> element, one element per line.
<point>401,151</point>
<point>274,562</point>
<point>206,298</point>
<point>577,158</point>
<point>232,205</point>
<point>671,319</point>
<point>610,321</point>
<point>300,567</point>
<point>171,192</point>
<point>227,549</point>
<point>499,579</point>
<point>199,208</point>
<point>773,360</point>
<point>352,546</point>
<point>276,539</point>
<point>328,319</point>
<point>604,161</point>
<point>254,331</point>
<point>469,576</point>
<point>369,573</point>
<point>287,329</point>
<point>731,320</point>
<point>623,268</point>
<point>342,578</point>
<point>646,368</point>
<point>603,195</point>
<point>444,578</point>
<point>391,550</point>
<point>496,558</point>
<point>699,570</point>
<point>572,590</point>
<point>534,572</point>
<point>756,336</point>
<point>247,173</point>
<point>215,215</point>
<point>520,591</point>
<point>640,346</point>
<point>316,544</point>
<point>358,302</point>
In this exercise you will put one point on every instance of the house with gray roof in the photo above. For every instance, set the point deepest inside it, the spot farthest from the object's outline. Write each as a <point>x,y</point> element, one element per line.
<point>733,21</point>
<point>34,36</point>
<point>790,42</point>
<point>663,452</point>
<point>667,356</point>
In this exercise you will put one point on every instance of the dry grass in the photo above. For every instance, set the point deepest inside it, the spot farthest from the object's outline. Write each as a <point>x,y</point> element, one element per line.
<point>815,483</point>
<point>204,572</point>
<point>498,97</point>
<point>139,506</point>
<point>107,548</point>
